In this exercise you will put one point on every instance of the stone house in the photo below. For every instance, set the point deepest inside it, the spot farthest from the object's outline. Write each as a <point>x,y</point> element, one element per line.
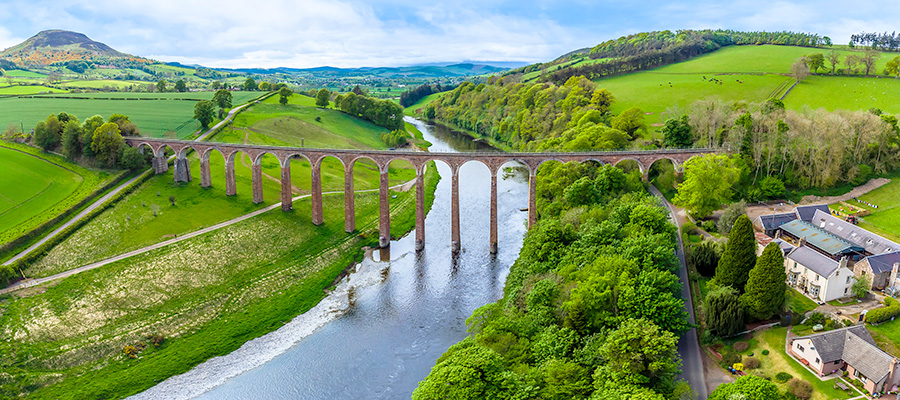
<point>850,349</point>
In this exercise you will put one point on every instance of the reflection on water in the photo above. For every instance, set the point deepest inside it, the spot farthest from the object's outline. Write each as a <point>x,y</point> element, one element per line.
<point>406,310</point>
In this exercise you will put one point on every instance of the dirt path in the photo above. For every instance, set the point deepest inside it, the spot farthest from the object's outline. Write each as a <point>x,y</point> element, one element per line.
<point>856,192</point>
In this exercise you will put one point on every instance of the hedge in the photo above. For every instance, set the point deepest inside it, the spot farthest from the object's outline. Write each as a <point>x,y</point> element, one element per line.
<point>886,313</point>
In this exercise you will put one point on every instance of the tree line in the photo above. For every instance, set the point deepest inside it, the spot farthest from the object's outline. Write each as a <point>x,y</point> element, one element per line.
<point>95,140</point>
<point>412,96</point>
<point>636,44</point>
<point>384,113</point>
<point>539,116</point>
<point>591,308</point>
<point>881,41</point>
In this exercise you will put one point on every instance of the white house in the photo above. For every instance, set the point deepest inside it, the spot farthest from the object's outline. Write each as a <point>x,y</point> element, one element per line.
<point>816,275</point>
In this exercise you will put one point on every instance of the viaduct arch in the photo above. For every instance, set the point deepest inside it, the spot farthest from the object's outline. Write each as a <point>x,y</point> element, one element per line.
<point>382,158</point>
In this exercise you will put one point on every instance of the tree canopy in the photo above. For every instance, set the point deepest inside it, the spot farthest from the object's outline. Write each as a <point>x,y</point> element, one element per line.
<point>708,182</point>
<point>205,112</point>
<point>739,256</point>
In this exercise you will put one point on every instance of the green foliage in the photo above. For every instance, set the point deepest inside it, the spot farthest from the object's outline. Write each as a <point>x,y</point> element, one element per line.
<point>731,214</point>
<point>46,135</point>
<point>707,183</point>
<point>739,256</point>
<point>161,86</point>
<point>730,358</point>
<point>71,139</point>
<point>747,387</point>
<point>222,98</point>
<point>765,352</point>
<point>249,84</point>
<point>764,292</point>
<point>322,97</point>
<point>783,377</point>
<point>639,353</point>
<point>205,112</point>
<point>861,285</point>
<point>132,159</point>
<point>384,113</point>
<point>396,138</point>
<point>723,311</point>
<point>705,257</point>
<point>180,86</point>
<point>677,133</point>
<point>890,310</point>
<point>465,371</point>
<point>284,94</point>
<point>107,144</point>
<point>630,121</point>
<point>815,61</point>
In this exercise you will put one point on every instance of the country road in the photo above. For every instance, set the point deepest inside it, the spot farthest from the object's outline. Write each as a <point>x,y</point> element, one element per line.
<point>688,344</point>
<point>109,195</point>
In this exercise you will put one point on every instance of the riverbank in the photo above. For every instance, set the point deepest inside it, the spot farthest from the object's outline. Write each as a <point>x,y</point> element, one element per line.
<point>197,299</point>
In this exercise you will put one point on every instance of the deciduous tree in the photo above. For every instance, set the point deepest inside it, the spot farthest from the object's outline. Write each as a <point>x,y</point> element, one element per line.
<point>677,132</point>
<point>284,94</point>
<point>816,61</point>
<point>107,143</point>
<point>747,387</point>
<point>322,98</point>
<point>893,67</point>
<point>180,86</point>
<point>205,112</point>
<point>764,292</point>
<point>222,98</point>
<point>639,353</point>
<point>800,69</point>
<point>250,84</point>
<point>630,121</point>
<point>161,86</point>
<point>707,183</point>
<point>834,58</point>
<point>869,59</point>
<point>739,256</point>
<point>71,139</point>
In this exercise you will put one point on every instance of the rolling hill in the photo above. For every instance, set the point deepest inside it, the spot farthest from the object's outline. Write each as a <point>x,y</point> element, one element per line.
<point>59,46</point>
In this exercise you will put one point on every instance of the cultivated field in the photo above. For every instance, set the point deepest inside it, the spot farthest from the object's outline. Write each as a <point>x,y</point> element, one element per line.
<point>156,116</point>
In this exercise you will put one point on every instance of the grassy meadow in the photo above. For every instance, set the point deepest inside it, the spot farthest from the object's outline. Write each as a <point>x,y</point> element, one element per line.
<point>205,297</point>
<point>156,116</point>
<point>885,220</point>
<point>16,90</point>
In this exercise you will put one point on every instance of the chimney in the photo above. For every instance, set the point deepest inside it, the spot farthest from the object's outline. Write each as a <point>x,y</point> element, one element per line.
<point>845,260</point>
<point>778,234</point>
<point>892,375</point>
<point>802,241</point>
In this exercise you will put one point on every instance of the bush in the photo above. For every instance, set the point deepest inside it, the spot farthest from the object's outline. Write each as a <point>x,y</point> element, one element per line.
<point>731,213</point>
<point>815,319</point>
<point>689,229</point>
<point>802,389</point>
<point>7,273</point>
<point>783,377</point>
<point>878,315</point>
<point>741,346</point>
<point>130,351</point>
<point>709,225</point>
<point>730,358</point>
<point>765,352</point>
<point>751,363</point>
<point>705,258</point>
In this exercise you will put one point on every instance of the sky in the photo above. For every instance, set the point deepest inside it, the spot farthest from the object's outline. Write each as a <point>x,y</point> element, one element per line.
<point>376,33</point>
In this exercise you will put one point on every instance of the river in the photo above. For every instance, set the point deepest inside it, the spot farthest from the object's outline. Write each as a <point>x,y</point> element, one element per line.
<point>385,325</point>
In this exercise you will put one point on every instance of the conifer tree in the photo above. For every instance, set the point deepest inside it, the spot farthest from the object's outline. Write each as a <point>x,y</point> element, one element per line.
<point>739,256</point>
<point>764,293</point>
<point>724,311</point>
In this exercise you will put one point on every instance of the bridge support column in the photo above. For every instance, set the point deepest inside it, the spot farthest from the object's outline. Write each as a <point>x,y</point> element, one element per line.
<point>384,217</point>
<point>316,198</point>
<point>160,165</point>
<point>230,186</point>
<point>420,209</point>
<point>454,212</point>
<point>349,203</point>
<point>182,170</point>
<point>205,176</point>
<point>257,182</point>
<point>287,202</point>
<point>493,212</point>
<point>532,199</point>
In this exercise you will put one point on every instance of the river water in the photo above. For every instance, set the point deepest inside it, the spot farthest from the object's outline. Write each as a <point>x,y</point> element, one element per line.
<point>385,325</point>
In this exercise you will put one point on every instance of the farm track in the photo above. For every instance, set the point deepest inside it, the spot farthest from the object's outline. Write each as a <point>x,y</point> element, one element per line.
<point>109,195</point>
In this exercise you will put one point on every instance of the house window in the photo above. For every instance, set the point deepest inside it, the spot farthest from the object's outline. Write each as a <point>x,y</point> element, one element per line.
<point>800,347</point>
<point>848,280</point>
<point>814,291</point>
<point>845,290</point>
<point>816,279</point>
<point>817,360</point>
<point>837,362</point>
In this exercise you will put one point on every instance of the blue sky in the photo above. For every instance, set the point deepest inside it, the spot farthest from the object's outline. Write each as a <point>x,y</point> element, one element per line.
<point>352,33</point>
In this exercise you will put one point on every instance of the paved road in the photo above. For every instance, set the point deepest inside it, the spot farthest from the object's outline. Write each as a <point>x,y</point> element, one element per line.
<point>103,199</point>
<point>688,344</point>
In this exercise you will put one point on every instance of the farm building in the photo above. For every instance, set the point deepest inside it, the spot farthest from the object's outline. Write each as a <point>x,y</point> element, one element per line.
<point>850,349</point>
<point>823,253</point>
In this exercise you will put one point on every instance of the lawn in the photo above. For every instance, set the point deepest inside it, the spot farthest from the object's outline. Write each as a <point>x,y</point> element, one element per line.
<point>887,336</point>
<point>156,116</point>
<point>36,187</point>
<point>205,296</point>
<point>779,361</point>
<point>798,303</point>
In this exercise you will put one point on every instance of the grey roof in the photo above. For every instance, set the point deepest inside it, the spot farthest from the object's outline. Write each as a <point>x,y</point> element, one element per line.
<point>819,238</point>
<point>773,221</point>
<point>785,246</point>
<point>856,347</point>
<point>883,262</point>
<point>806,213</point>
<point>817,262</point>
<point>871,242</point>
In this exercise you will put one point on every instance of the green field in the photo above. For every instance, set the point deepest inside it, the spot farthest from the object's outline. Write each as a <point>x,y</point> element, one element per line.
<point>29,186</point>
<point>154,117</point>
<point>752,74</point>
<point>105,83</point>
<point>36,187</point>
<point>23,74</point>
<point>27,89</point>
<point>411,110</point>
<point>884,220</point>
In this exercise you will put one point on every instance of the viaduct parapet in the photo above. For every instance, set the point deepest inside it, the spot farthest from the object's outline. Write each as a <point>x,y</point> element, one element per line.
<point>382,158</point>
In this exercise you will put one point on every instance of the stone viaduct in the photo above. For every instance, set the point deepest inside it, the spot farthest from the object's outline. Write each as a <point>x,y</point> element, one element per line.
<point>382,158</point>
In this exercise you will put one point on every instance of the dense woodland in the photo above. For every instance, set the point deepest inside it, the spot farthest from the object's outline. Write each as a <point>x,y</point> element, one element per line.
<point>384,113</point>
<point>93,141</point>
<point>411,96</point>
<point>539,116</point>
<point>881,41</point>
<point>592,306</point>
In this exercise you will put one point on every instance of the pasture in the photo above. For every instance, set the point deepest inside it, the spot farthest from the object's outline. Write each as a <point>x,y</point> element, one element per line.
<point>885,220</point>
<point>27,89</point>
<point>846,93</point>
<point>23,74</point>
<point>29,186</point>
<point>154,113</point>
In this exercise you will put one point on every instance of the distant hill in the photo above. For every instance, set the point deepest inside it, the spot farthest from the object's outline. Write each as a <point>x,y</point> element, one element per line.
<point>418,71</point>
<point>59,46</point>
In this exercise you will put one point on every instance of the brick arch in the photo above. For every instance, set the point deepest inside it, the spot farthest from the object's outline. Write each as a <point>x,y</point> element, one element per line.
<point>640,165</point>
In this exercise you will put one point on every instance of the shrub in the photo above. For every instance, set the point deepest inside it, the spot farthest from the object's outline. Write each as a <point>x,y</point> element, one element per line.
<point>751,363</point>
<point>730,358</point>
<point>783,377</point>
<point>130,351</point>
<point>815,319</point>
<point>800,388</point>
<point>157,339</point>
<point>709,225</point>
<point>705,258</point>
<point>689,228</point>
<point>878,315</point>
<point>741,346</point>
<point>765,352</point>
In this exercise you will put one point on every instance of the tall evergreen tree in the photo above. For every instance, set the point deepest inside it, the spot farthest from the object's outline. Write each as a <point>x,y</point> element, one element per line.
<point>764,293</point>
<point>739,256</point>
<point>724,311</point>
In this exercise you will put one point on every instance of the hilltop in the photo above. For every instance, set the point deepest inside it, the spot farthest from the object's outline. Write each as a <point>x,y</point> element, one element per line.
<point>59,46</point>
